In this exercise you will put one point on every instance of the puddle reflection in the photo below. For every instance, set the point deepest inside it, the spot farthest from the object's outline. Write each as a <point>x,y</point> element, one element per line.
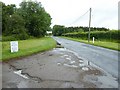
<point>19,72</point>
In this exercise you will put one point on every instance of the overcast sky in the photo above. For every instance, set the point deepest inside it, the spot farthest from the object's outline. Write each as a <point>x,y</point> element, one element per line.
<point>66,12</point>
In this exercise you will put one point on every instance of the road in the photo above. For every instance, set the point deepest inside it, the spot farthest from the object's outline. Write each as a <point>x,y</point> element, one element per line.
<point>57,68</point>
<point>62,68</point>
<point>104,58</point>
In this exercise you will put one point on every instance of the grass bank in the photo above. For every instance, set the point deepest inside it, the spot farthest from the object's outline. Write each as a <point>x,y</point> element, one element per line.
<point>105,44</point>
<point>27,47</point>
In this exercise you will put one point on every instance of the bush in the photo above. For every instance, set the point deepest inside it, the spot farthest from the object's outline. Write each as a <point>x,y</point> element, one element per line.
<point>21,36</point>
<point>8,38</point>
<point>112,35</point>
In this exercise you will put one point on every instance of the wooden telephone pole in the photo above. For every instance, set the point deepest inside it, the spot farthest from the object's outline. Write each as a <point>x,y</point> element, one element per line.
<point>89,25</point>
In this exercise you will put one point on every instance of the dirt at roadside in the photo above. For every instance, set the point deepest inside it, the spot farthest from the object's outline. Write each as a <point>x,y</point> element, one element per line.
<point>57,68</point>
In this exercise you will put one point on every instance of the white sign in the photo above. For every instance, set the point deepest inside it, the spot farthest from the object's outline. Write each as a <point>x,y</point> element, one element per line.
<point>14,46</point>
<point>93,39</point>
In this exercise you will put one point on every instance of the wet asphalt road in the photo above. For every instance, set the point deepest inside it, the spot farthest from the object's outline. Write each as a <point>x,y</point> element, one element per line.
<point>57,68</point>
<point>104,58</point>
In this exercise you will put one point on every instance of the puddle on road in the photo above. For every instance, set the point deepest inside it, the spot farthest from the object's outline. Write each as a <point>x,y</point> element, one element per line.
<point>81,64</point>
<point>65,55</point>
<point>58,64</point>
<point>74,66</point>
<point>60,49</point>
<point>68,58</point>
<point>81,61</point>
<point>85,68</point>
<point>19,72</point>
<point>72,62</point>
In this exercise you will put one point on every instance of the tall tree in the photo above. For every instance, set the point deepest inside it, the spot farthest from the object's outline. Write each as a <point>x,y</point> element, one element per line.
<point>37,19</point>
<point>7,12</point>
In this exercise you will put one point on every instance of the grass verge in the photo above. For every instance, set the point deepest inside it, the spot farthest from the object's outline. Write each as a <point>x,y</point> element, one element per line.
<point>27,47</point>
<point>105,44</point>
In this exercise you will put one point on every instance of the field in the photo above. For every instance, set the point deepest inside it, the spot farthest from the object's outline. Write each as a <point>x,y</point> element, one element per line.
<point>27,47</point>
<point>105,44</point>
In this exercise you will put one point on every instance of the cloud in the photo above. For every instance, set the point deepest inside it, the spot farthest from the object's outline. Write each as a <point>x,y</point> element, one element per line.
<point>64,12</point>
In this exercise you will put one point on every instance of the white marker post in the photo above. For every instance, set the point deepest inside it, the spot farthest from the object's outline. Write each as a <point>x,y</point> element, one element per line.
<point>93,39</point>
<point>14,46</point>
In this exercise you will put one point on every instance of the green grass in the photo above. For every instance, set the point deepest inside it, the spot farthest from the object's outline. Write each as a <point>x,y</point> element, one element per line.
<point>105,44</point>
<point>27,47</point>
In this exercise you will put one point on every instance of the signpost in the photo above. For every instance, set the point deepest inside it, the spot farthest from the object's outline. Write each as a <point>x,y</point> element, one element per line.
<point>93,39</point>
<point>14,46</point>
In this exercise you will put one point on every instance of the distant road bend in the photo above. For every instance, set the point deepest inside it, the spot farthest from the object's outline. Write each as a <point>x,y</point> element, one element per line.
<point>104,58</point>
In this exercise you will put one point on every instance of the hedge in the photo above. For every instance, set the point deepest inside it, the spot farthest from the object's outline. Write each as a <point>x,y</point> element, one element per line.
<point>112,35</point>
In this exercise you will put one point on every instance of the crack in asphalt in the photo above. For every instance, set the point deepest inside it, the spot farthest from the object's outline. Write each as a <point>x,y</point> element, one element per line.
<point>35,78</point>
<point>82,77</point>
<point>61,80</point>
<point>28,75</point>
<point>13,67</point>
<point>38,79</point>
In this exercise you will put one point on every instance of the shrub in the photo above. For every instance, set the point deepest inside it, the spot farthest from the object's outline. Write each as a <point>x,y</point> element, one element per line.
<point>8,38</point>
<point>112,35</point>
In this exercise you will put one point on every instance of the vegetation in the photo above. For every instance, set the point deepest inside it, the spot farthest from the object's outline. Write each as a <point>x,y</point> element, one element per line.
<point>27,47</point>
<point>30,19</point>
<point>103,37</point>
<point>82,33</point>
<point>112,35</point>
<point>106,44</point>
<point>58,30</point>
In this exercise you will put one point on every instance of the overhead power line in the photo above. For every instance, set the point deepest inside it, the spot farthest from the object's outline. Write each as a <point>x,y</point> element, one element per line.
<point>89,21</point>
<point>79,17</point>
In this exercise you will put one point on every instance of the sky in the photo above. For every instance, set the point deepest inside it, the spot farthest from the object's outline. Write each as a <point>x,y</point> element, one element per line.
<point>70,12</point>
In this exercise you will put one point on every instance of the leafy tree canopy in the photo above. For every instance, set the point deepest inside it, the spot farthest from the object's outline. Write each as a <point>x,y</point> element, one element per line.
<point>29,19</point>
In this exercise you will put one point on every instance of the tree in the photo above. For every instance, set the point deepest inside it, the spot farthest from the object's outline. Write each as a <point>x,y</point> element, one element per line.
<point>12,23</point>
<point>16,27</point>
<point>58,30</point>
<point>37,19</point>
<point>29,19</point>
<point>7,11</point>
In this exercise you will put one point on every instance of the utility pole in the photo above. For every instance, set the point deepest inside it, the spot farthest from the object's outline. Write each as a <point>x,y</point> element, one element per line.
<point>89,25</point>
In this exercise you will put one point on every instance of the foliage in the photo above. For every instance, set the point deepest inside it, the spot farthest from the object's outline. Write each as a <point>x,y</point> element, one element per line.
<point>7,11</point>
<point>58,30</point>
<point>37,19</point>
<point>8,38</point>
<point>112,35</point>
<point>62,30</point>
<point>30,19</point>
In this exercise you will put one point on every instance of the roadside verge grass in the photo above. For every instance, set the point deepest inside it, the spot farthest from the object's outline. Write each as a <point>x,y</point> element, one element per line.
<point>105,44</point>
<point>27,47</point>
